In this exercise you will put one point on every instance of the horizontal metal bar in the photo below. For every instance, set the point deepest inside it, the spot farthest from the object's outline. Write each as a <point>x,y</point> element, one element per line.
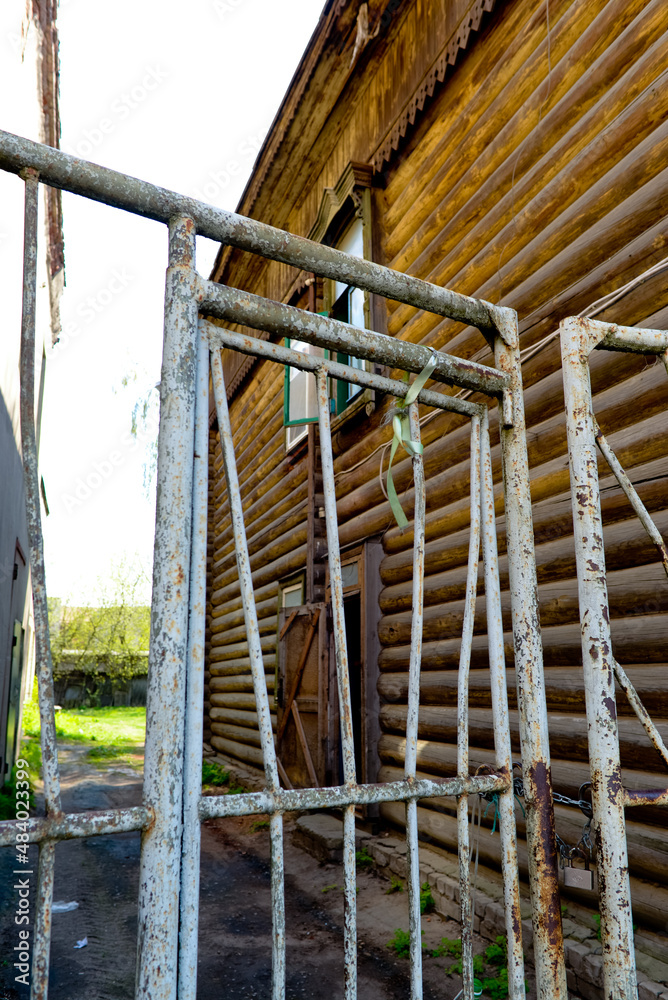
<point>647,797</point>
<point>311,363</point>
<point>123,191</point>
<point>302,799</point>
<point>236,306</point>
<point>631,338</point>
<point>71,826</point>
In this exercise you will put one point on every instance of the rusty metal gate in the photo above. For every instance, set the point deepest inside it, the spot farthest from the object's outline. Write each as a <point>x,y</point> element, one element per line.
<point>579,337</point>
<point>173,807</point>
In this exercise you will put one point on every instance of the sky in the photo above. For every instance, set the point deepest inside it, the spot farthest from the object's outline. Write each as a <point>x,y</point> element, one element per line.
<point>178,94</point>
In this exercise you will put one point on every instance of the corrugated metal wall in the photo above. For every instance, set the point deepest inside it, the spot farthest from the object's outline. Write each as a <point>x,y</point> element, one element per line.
<point>535,177</point>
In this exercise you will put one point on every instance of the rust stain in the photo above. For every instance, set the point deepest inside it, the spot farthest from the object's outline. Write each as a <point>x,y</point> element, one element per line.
<point>610,705</point>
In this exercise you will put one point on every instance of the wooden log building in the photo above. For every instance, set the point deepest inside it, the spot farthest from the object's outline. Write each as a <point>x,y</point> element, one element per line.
<point>513,152</point>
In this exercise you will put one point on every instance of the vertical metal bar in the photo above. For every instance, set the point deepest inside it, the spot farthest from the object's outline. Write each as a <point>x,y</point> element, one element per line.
<point>497,667</point>
<point>257,670</point>
<point>50,773</point>
<point>343,684</point>
<point>192,769</point>
<point>464,853</point>
<point>159,876</point>
<point>540,831</point>
<point>619,974</point>
<point>39,985</point>
<point>410,763</point>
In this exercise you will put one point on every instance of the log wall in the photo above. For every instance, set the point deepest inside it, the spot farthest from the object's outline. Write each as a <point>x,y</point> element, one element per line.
<point>535,176</point>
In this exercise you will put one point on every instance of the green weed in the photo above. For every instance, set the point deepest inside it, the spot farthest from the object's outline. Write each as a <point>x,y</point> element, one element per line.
<point>259,824</point>
<point>328,888</point>
<point>426,899</point>
<point>363,860</point>
<point>214,774</point>
<point>400,943</point>
<point>396,885</point>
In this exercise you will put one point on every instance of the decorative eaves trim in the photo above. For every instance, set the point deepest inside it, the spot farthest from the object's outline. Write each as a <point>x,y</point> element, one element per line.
<point>354,177</point>
<point>432,78</point>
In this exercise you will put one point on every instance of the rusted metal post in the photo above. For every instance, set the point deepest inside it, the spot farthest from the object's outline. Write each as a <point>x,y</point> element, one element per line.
<point>257,670</point>
<point>540,831</point>
<point>160,869</point>
<point>466,903</point>
<point>192,769</point>
<point>502,746</point>
<point>410,762</point>
<point>343,684</point>
<point>42,934</point>
<point>608,800</point>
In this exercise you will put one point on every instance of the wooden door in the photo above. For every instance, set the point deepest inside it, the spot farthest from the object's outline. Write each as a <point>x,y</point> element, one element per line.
<point>303,709</point>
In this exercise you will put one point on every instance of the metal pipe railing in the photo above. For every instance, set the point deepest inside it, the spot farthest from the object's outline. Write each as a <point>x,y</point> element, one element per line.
<point>90,180</point>
<point>192,767</point>
<point>160,866</point>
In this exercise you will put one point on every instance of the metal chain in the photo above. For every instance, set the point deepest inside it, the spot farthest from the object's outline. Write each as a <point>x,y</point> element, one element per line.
<point>583,804</point>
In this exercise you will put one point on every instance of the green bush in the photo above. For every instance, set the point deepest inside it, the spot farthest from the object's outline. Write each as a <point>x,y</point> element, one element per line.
<point>400,943</point>
<point>426,899</point>
<point>214,774</point>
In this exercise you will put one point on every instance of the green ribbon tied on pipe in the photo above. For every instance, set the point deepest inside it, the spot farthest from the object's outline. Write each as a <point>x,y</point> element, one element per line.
<point>402,436</point>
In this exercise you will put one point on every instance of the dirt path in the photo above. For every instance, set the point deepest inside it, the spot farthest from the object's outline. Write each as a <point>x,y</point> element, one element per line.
<point>101,874</point>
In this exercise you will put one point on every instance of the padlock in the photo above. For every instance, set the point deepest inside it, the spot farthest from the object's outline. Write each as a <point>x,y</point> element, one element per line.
<point>578,878</point>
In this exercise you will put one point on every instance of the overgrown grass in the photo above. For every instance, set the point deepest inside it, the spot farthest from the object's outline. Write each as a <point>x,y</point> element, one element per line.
<point>113,734</point>
<point>490,968</point>
<point>120,727</point>
<point>214,775</point>
<point>32,754</point>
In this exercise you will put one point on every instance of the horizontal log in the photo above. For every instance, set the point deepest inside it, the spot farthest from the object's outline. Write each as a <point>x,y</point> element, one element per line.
<point>240,683</point>
<point>236,649</point>
<point>635,640</point>
<point>566,213</point>
<point>238,734</point>
<point>640,590</point>
<point>470,105</point>
<point>269,454</point>
<point>276,570</point>
<point>568,777</point>
<point>234,700</point>
<point>241,665</point>
<point>267,501</point>
<point>625,543</point>
<point>274,464</point>
<point>237,717</point>
<point>570,145</point>
<point>564,688</point>
<point>224,622</point>
<point>568,733</point>
<point>647,848</point>
<point>266,593</point>
<point>649,901</point>
<point>239,751</point>
<point>636,445</point>
<point>269,554</point>
<point>283,516</point>
<point>575,87</point>
<point>266,626</point>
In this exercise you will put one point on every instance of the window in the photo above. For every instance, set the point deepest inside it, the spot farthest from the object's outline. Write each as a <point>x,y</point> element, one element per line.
<point>291,592</point>
<point>348,305</point>
<point>300,403</point>
<point>344,222</point>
